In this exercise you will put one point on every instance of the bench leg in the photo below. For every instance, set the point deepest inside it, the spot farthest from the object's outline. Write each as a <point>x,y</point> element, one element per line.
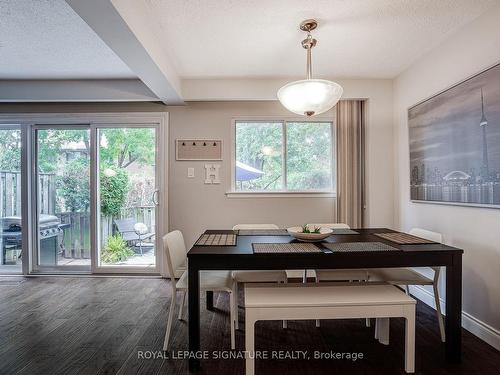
<point>285,323</point>
<point>382,330</point>
<point>316,280</point>
<point>410,341</point>
<point>249,343</point>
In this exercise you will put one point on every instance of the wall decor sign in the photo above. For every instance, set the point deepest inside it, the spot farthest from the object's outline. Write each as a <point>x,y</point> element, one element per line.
<point>198,149</point>
<point>455,144</point>
<point>212,175</point>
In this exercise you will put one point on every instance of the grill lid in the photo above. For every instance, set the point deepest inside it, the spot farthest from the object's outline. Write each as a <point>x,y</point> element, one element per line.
<point>13,223</point>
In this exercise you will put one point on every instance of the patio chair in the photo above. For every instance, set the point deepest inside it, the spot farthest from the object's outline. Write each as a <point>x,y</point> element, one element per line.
<point>133,231</point>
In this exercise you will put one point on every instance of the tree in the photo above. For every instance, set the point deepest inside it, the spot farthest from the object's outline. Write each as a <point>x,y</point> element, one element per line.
<point>308,156</point>
<point>123,146</point>
<point>52,142</point>
<point>259,145</point>
<point>10,150</point>
<point>113,189</point>
<point>73,187</point>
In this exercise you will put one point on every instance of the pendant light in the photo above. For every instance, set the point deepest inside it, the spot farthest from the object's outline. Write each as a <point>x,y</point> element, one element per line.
<point>309,96</point>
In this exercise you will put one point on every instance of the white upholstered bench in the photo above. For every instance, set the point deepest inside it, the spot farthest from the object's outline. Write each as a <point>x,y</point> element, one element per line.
<point>327,301</point>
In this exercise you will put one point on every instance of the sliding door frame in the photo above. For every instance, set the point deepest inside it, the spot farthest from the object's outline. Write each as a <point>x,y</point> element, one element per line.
<point>28,121</point>
<point>36,267</point>
<point>6,123</point>
<point>159,163</point>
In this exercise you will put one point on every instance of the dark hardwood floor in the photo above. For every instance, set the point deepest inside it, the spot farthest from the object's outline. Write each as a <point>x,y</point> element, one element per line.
<point>102,325</point>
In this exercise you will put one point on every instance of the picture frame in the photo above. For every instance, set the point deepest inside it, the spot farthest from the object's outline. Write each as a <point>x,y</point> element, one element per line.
<point>454,144</point>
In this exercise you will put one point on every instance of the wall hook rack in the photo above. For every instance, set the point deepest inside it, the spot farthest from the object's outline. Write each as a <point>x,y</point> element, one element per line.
<point>196,149</point>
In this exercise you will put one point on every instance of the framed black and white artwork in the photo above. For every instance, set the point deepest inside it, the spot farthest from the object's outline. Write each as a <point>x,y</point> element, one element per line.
<point>455,144</point>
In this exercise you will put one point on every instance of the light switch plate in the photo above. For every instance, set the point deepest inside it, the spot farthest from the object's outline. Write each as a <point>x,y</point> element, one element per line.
<point>190,172</point>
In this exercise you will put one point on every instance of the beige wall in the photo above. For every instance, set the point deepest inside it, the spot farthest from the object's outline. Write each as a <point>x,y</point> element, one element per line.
<point>213,119</point>
<point>476,230</point>
<point>194,205</point>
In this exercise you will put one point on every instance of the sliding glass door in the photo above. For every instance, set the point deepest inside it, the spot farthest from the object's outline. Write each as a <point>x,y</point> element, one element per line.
<point>127,198</point>
<point>10,200</point>
<point>95,198</point>
<point>62,186</point>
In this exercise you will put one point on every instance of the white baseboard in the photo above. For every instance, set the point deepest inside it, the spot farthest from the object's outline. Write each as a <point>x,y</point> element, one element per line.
<point>482,330</point>
<point>475,326</point>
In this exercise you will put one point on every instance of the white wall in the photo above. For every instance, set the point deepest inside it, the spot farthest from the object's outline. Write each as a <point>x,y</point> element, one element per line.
<point>476,230</point>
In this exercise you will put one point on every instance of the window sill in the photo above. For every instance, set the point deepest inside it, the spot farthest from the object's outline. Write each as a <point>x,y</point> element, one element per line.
<point>281,194</point>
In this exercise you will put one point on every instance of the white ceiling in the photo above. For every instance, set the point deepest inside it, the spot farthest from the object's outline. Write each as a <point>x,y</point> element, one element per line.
<point>260,38</point>
<point>46,39</point>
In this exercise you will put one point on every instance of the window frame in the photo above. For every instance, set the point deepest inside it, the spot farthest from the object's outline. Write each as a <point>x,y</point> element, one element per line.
<point>317,193</point>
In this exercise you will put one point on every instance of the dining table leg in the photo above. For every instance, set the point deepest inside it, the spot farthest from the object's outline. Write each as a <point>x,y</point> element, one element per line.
<point>453,319</point>
<point>210,300</point>
<point>194,314</point>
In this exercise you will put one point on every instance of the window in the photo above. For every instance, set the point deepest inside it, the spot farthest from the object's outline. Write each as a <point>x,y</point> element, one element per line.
<point>284,156</point>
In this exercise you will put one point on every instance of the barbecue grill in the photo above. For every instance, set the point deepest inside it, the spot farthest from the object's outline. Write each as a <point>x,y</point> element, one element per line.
<point>50,236</point>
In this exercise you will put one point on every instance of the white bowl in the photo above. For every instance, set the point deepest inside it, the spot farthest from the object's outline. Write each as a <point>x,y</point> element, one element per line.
<point>297,233</point>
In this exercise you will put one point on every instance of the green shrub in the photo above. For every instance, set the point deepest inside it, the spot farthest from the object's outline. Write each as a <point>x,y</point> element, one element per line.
<point>116,250</point>
<point>114,191</point>
<point>73,188</point>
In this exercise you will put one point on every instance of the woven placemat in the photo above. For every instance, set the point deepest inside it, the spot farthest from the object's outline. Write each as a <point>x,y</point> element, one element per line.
<point>217,239</point>
<point>344,231</point>
<point>263,232</point>
<point>294,247</point>
<point>403,238</point>
<point>358,246</point>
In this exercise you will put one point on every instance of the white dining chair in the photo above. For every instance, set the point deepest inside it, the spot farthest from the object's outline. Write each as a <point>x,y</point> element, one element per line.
<point>341,274</point>
<point>255,226</point>
<point>329,225</point>
<point>406,276</point>
<point>257,276</point>
<point>350,275</point>
<point>214,281</point>
<point>311,273</point>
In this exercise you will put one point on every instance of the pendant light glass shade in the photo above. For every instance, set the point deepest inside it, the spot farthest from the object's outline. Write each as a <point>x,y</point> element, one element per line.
<point>310,97</point>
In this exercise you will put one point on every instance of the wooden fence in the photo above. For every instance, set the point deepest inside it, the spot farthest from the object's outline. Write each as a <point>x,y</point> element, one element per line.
<point>10,193</point>
<point>142,214</point>
<point>77,235</point>
<point>77,242</point>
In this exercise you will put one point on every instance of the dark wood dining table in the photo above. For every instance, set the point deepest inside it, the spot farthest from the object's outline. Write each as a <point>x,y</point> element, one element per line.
<point>242,257</point>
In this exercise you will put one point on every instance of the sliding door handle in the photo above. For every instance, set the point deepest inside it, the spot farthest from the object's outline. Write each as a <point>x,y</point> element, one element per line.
<point>156,194</point>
